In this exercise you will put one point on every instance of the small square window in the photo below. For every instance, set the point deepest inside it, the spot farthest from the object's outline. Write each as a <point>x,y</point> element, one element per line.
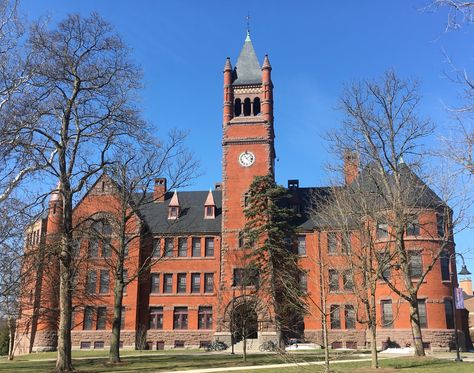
<point>98,345</point>
<point>85,345</point>
<point>382,230</point>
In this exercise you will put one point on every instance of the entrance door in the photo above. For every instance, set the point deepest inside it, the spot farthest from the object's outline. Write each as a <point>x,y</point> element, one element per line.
<point>245,321</point>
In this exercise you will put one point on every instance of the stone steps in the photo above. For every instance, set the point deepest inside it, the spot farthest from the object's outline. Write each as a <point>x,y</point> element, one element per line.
<point>252,345</point>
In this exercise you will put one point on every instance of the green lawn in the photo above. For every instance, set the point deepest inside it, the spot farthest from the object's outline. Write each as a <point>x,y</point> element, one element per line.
<point>153,361</point>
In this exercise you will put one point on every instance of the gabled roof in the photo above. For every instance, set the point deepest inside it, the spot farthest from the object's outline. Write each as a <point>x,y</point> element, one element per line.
<point>209,199</point>
<point>247,69</point>
<point>191,219</point>
<point>174,200</point>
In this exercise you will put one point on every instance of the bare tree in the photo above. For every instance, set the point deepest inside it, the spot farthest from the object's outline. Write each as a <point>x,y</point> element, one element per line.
<point>79,104</point>
<point>345,214</point>
<point>11,255</point>
<point>130,178</point>
<point>382,126</point>
<point>458,146</point>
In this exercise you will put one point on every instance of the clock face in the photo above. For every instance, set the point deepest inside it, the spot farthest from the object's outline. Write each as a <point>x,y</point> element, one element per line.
<point>246,159</point>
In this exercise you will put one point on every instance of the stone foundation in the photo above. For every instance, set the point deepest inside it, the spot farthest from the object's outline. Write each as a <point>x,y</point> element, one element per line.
<point>434,339</point>
<point>338,338</point>
<point>127,337</point>
<point>45,341</point>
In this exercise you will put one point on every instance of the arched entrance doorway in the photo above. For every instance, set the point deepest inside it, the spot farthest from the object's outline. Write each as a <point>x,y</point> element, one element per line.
<point>244,320</point>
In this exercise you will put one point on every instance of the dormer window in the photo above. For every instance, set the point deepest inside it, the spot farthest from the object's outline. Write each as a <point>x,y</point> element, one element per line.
<point>174,207</point>
<point>173,213</point>
<point>209,207</point>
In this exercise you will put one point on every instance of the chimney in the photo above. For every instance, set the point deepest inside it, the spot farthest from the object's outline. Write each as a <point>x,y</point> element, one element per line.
<point>218,186</point>
<point>351,166</point>
<point>466,286</point>
<point>293,184</point>
<point>159,191</point>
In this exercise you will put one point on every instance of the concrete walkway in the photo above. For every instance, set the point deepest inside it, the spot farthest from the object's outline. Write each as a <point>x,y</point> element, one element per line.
<point>258,367</point>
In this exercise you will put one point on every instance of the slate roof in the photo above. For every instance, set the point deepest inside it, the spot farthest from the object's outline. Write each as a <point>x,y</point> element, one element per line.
<point>191,218</point>
<point>415,191</point>
<point>247,69</point>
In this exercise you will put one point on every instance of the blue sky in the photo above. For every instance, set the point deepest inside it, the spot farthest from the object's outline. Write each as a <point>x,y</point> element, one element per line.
<point>314,47</point>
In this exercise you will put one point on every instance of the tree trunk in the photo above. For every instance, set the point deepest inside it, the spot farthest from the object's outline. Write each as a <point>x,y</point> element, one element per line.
<point>64,359</point>
<point>416,330</point>
<point>373,330</point>
<point>11,340</point>
<point>114,352</point>
<point>373,346</point>
<point>244,346</point>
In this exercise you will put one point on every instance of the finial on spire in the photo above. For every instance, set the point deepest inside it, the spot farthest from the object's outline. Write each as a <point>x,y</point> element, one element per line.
<point>247,17</point>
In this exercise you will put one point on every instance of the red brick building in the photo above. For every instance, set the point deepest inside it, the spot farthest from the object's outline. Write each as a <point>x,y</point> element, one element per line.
<point>186,298</point>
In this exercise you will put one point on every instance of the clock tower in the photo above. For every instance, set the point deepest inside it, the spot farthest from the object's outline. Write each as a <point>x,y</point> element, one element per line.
<point>247,151</point>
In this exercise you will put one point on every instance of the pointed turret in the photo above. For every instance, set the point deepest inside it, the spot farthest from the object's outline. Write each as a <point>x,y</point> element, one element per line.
<point>174,200</point>
<point>266,63</point>
<point>248,69</point>
<point>209,206</point>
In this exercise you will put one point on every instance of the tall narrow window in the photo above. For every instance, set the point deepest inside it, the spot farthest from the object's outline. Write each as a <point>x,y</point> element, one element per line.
<point>209,246</point>
<point>422,313</point>
<point>348,280</point>
<point>88,318</point>
<point>155,318</point>
<point>332,243</point>
<point>155,283</point>
<point>205,318</point>
<point>413,227</point>
<point>181,286</point>
<point>169,247</point>
<point>444,263</point>
<point>104,282</point>
<point>346,243</point>
<point>91,282</point>
<point>196,246</point>
<point>383,259</point>
<point>256,106</point>
<point>209,282</point>
<point>241,239</point>
<point>333,280</point>
<point>237,107</point>
<point>440,224</point>
<point>301,245</point>
<point>387,313</point>
<point>93,247</point>
<point>182,246</point>
<point>349,315</point>
<point>303,282</point>
<point>382,230</point>
<point>335,316</point>
<point>415,264</point>
<point>195,282</point>
<point>448,311</point>
<point>167,283</point>
<point>156,248</point>
<point>247,107</point>
<point>180,318</point>
<point>101,318</point>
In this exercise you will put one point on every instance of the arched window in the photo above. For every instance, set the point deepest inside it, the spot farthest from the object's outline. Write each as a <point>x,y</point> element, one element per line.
<point>101,232</point>
<point>237,107</point>
<point>247,107</point>
<point>256,106</point>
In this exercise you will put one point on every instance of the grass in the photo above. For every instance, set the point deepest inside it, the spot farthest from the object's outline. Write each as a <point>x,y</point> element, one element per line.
<point>159,361</point>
